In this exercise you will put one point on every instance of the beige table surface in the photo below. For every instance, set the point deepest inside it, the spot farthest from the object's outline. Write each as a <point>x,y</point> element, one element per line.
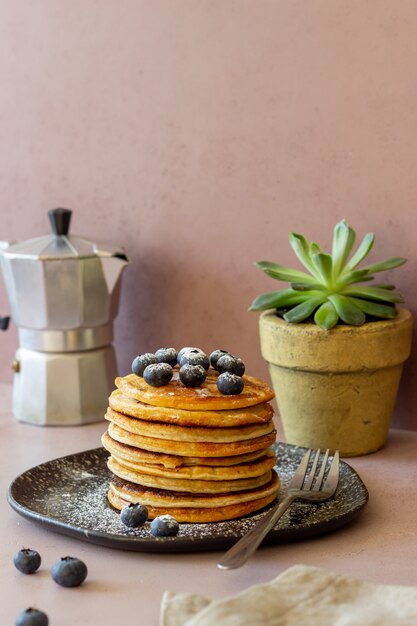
<point>380,545</point>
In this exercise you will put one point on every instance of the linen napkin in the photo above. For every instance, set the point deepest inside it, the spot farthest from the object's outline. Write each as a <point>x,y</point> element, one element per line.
<point>300,596</point>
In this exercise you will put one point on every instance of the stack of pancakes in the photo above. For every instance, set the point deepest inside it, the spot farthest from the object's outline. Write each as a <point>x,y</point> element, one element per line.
<point>194,453</point>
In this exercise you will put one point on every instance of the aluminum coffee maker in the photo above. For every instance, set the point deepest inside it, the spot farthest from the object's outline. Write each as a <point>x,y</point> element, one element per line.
<point>64,293</point>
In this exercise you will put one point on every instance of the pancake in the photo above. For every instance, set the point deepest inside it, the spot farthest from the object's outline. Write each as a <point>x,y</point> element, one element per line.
<point>173,432</point>
<point>139,456</point>
<point>203,472</point>
<point>199,516</point>
<point>205,397</point>
<point>193,508</point>
<point>185,484</point>
<point>190,448</point>
<point>159,497</point>
<point>258,414</point>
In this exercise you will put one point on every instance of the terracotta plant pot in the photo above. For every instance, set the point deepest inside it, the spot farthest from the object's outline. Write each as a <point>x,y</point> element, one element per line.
<point>336,389</point>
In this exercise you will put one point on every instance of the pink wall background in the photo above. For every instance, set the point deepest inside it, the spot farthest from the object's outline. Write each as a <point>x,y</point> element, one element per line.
<point>198,134</point>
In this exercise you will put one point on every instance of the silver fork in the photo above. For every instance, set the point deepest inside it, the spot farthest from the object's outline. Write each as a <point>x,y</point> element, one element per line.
<point>304,485</point>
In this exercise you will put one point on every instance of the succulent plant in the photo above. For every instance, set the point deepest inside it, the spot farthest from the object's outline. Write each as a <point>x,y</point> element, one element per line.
<point>332,289</point>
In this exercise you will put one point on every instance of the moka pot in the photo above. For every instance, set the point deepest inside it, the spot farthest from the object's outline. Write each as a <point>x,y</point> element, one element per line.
<point>63,292</point>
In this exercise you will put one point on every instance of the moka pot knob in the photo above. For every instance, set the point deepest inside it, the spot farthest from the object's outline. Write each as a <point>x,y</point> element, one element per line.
<point>60,221</point>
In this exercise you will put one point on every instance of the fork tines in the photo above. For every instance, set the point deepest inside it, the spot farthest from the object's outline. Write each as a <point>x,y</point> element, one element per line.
<point>312,476</point>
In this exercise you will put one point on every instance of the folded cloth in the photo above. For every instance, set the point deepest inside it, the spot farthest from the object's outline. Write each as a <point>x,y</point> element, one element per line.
<point>302,595</point>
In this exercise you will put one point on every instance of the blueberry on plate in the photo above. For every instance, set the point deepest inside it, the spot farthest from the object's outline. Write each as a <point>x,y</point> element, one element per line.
<point>142,361</point>
<point>27,561</point>
<point>230,363</point>
<point>134,515</point>
<point>158,374</point>
<point>230,384</point>
<point>167,355</point>
<point>164,526</point>
<point>215,356</point>
<point>192,375</point>
<point>69,572</point>
<point>32,617</point>
<point>194,357</point>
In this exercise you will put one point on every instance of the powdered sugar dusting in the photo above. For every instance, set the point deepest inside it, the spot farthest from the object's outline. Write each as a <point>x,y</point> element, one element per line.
<point>70,494</point>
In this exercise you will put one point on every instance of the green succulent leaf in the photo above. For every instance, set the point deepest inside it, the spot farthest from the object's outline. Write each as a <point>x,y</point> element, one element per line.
<point>284,273</point>
<point>278,300</point>
<point>323,264</point>
<point>343,240</point>
<point>389,264</point>
<point>302,250</point>
<point>314,248</point>
<point>362,251</point>
<point>355,276</point>
<point>301,287</point>
<point>304,310</point>
<point>375,309</point>
<point>347,310</point>
<point>326,316</point>
<point>373,293</point>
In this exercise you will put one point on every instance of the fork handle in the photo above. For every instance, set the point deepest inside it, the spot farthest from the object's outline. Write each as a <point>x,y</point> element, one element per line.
<point>242,550</point>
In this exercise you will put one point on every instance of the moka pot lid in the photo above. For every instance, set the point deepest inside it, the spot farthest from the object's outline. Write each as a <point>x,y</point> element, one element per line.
<point>60,244</point>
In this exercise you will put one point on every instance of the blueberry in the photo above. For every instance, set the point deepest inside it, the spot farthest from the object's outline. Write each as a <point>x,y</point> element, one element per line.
<point>142,361</point>
<point>69,572</point>
<point>184,350</point>
<point>27,561</point>
<point>164,526</point>
<point>192,375</point>
<point>4,323</point>
<point>232,364</point>
<point>215,356</point>
<point>32,617</point>
<point>194,357</point>
<point>167,355</point>
<point>158,374</point>
<point>134,515</point>
<point>230,384</point>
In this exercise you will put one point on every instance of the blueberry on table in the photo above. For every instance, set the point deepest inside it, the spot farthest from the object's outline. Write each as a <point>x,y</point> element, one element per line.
<point>215,356</point>
<point>158,374</point>
<point>69,572</point>
<point>230,363</point>
<point>32,617</point>
<point>230,384</point>
<point>142,361</point>
<point>27,561</point>
<point>134,515</point>
<point>194,357</point>
<point>192,375</point>
<point>167,355</point>
<point>164,526</point>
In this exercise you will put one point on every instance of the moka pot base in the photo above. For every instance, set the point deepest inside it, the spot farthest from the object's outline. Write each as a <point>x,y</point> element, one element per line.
<point>63,388</point>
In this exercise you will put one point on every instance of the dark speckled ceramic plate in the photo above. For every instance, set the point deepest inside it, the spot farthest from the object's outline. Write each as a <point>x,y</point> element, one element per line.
<point>68,495</point>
